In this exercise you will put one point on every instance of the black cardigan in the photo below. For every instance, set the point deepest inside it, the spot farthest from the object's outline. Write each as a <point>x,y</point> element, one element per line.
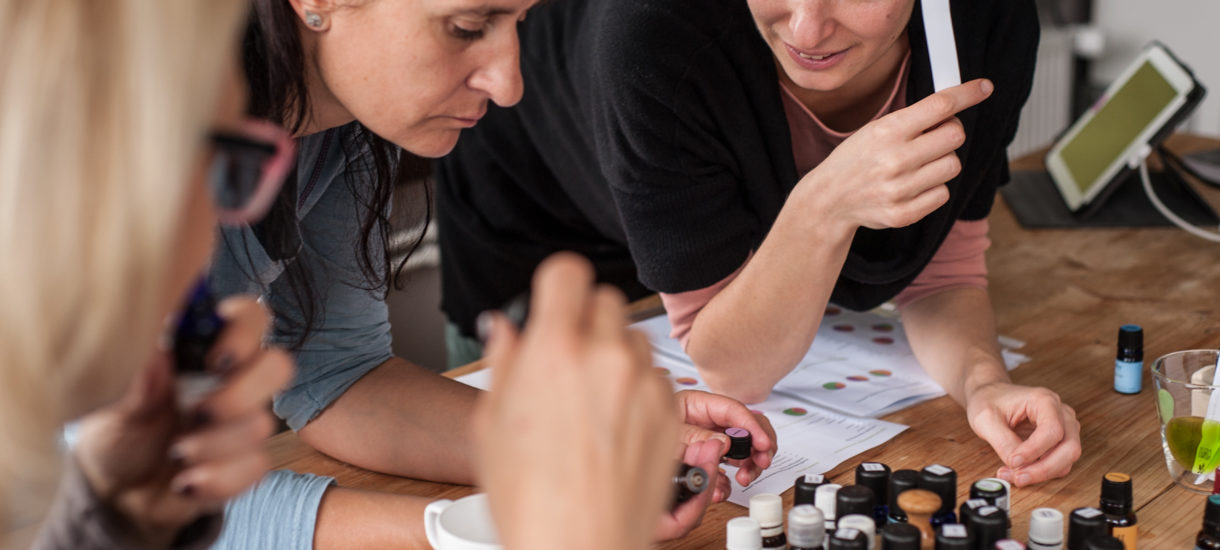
<point>652,138</point>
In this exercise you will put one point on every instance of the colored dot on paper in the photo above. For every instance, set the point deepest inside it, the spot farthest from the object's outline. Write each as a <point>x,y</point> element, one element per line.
<point>844,328</point>
<point>661,371</point>
<point>858,378</point>
<point>883,340</point>
<point>795,411</point>
<point>834,385</point>
<point>880,372</point>
<point>685,381</point>
<point>832,310</point>
<point>883,327</point>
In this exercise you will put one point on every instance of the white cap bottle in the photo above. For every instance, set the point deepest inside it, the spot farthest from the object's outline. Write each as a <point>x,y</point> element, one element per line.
<point>1045,529</point>
<point>865,524</point>
<point>806,530</point>
<point>824,499</point>
<point>743,534</point>
<point>768,510</point>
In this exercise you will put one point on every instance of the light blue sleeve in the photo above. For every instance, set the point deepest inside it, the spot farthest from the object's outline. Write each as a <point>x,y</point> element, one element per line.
<point>350,335</point>
<point>280,512</point>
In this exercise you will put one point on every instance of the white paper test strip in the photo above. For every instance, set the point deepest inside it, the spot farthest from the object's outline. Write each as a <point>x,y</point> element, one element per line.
<point>942,47</point>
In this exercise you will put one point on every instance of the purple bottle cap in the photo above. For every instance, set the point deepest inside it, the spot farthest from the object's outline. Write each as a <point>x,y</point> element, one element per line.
<point>740,443</point>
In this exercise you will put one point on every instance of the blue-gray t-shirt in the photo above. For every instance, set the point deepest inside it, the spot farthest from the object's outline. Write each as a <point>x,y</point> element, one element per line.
<point>351,332</point>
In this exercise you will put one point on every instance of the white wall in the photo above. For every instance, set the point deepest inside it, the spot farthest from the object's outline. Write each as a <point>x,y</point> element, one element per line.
<point>1190,28</point>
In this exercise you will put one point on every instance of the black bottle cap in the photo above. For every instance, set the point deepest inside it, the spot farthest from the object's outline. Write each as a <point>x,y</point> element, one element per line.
<point>855,499</point>
<point>989,490</point>
<point>1084,524</point>
<point>875,476</point>
<point>989,524</point>
<point>1211,514</point>
<point>740,443</point>
<point>900,481</point>
<point>846,538</point>
<point>900,536</point>
<point>941,480</point>
<point>954,536</point>
<point>963,513</point>
<point>1116,493</point>
<point>1103,542</point>
<point>805,488</point>
<point>1130,343</point>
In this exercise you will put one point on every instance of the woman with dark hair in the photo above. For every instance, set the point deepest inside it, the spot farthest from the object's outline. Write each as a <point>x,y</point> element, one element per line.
<point>753,161</point>
<point>367,87</point>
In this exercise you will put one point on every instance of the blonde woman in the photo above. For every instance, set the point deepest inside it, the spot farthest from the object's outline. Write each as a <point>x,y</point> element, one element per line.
<point>113,114</point>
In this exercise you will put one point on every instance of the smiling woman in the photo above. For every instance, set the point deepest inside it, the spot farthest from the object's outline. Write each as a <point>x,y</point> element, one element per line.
<point>753,161</point>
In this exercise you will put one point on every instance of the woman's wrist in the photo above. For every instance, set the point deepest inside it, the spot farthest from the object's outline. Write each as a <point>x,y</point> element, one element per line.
<point>981,376</point>
<point>816,212</point>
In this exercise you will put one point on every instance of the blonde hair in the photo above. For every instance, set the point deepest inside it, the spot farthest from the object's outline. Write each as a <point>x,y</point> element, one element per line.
<point>104,105</point>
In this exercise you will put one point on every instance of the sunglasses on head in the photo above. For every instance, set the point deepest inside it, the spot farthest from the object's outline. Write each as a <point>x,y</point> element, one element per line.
<point>248,167</point>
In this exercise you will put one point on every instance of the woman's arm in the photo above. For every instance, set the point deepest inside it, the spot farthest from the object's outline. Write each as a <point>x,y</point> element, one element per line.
<point>953,335</point>
<point>891,173</point>
<point>400,419</point>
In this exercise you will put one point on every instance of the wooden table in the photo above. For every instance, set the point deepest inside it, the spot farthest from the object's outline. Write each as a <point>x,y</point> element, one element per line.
<point>1063,292</point>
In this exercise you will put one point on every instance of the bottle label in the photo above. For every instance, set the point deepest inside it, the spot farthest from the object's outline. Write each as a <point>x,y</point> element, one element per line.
<point>988,510</point>
<point>846,533</point>
<point>954,531</point>
<point>1128,376</point>
<point>989,485</point>
<point>1125,534</point>
<point>939,469</point>
<point>1088,513</point>
<point>873,467</point>
<point>815,478</point>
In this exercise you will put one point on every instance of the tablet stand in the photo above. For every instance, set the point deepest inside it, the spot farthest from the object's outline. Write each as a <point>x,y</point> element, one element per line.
<point>1036,202</point>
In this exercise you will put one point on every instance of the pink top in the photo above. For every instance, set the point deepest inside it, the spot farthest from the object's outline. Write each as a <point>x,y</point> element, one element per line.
<point>959,262</point>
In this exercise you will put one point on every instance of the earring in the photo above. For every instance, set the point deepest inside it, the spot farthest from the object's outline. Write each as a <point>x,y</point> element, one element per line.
<point>313,20</point>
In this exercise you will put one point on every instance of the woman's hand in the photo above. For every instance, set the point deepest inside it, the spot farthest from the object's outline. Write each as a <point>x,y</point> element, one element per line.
<point>161,471</point>
<point>1033,432</point>
<point>576,439</point>
<point>891,173</point>
<point>708,415</point>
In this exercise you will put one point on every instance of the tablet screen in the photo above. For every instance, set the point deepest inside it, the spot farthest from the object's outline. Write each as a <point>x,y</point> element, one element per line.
<point>1118,123</point>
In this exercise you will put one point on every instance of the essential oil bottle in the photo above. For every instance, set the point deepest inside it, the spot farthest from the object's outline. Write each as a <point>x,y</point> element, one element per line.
<point>900,480</point>
<point>942,480</point>
<point>768,511</point>
<point>1209,536</point>
<point>1129,363</point>
<point>1116,504</point>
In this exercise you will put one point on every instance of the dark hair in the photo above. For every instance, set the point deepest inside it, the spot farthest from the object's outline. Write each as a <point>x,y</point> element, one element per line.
<point>274,63</point>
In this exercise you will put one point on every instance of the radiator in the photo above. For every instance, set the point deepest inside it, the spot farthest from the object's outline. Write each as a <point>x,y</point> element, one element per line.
<point>1048,110</point>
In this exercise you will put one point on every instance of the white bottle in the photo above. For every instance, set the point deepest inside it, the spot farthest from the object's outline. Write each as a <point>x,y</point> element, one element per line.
<point>743,534</point>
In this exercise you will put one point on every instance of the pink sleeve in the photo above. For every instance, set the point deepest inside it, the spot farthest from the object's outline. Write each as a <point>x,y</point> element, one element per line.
<point>959,262</point>
<point>681,308</point>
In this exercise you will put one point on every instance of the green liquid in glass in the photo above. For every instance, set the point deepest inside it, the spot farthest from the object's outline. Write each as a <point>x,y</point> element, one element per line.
<point>1183,434</point>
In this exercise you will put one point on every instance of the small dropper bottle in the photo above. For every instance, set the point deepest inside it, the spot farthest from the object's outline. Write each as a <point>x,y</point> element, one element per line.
<point>1116,501</point>
<point>768,511</point>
